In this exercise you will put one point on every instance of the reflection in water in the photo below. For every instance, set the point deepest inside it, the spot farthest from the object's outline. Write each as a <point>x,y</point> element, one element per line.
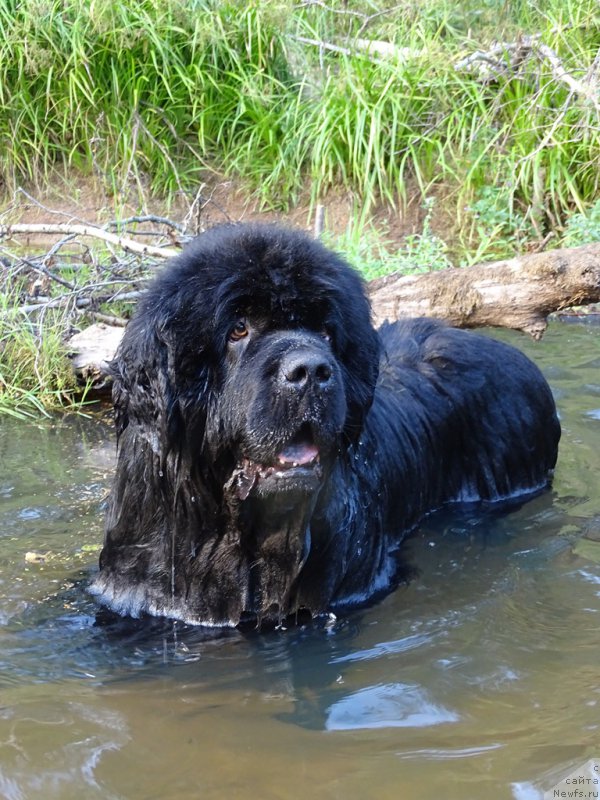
<point>479,679</point>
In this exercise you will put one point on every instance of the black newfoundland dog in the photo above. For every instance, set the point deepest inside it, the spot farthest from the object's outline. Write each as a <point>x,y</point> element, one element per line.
<point>273,448</point>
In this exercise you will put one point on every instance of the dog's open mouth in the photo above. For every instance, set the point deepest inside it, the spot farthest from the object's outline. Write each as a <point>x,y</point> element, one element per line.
<point>296,466</point>
<point>298,453</point>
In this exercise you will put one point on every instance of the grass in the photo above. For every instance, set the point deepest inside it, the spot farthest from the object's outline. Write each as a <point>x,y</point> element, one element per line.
<point>177,89</point>
<point>36,376</point>
<point>373,255</point>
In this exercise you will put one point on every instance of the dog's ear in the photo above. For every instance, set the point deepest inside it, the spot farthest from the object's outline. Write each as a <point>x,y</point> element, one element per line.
<point>361,365</point>
<point>358,346</point>
<point>150,393</point>
<point>142,396</point>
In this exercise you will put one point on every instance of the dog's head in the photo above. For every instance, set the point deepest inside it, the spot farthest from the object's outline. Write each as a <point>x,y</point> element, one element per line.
<point>254,348</point>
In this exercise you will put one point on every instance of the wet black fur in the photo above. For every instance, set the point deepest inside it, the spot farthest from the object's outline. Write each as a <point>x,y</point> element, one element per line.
<point>409,417</point>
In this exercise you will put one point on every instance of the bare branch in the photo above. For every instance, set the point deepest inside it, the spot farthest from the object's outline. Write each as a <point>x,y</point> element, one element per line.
<point>119,223</point>
<point>78,302</point>
<point>109,319</point>
<point>365,48</point>
<point>129,245</point>
<point>377,14</point>
<point>587,89</point>
<point>335,48</point>
<point>496,61</point>
<point>347,12</point>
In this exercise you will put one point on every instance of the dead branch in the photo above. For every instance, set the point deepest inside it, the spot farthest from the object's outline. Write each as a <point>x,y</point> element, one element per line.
<point>504,58</point>
<point>71,299</point>
<point>322,45</point>
<point>157,220</point>
<point>129,245</point>
<point>346,12</point>
<point>586,88</point>
<point>366,48</point>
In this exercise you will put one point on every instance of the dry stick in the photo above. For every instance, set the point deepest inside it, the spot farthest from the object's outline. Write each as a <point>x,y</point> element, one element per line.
<point>345,51</point>
<point>119,223</point>
<point>132,155</point>
<point>549,134</point>
<point>129,245</point>
<point>319,221</point>
<point>52,211</point>
<point>344,11</point>
<point>364,48</point>
<point>80,302</point>
<point>44,271</point>
<point>371,17</point>
<point>109,319</point>
<point>561,74</point>
<point>163,150</point>
<point>530,45</point>
<point>488,56</point>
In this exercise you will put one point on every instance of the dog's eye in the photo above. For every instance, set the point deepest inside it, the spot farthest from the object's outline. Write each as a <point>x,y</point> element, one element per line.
<point>239,330</point>
<point>326,334</point>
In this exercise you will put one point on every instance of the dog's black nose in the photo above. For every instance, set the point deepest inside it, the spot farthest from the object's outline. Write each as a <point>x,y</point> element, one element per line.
<point>303,368</point>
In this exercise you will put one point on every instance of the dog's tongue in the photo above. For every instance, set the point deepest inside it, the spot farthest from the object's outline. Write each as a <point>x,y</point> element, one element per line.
<point>298,454</point>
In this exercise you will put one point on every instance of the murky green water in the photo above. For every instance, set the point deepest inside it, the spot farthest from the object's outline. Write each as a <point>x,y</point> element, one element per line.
<point>481,679</point>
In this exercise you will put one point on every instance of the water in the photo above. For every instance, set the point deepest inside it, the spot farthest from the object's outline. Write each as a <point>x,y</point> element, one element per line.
<point>480,679</point>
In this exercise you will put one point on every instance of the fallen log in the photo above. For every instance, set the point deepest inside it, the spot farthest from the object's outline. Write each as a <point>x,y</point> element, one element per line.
<point>91,350</point>
<point>518,293</point>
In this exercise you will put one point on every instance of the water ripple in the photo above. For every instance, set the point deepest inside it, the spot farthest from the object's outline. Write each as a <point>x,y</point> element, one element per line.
<point>391,705</point>
<point>385,648</point>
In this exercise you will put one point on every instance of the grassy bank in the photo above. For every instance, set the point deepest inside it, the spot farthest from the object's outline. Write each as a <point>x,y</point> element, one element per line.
<point>36,377</point>
<point>166,92</point>
<point>291,101</point>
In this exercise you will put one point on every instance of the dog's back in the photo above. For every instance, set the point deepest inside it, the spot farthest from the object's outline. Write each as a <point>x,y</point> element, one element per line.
<point>479,411</point>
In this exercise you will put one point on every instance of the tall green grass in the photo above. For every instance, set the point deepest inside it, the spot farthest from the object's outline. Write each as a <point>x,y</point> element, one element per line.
<point>167,92</point>
<point>36,376</point>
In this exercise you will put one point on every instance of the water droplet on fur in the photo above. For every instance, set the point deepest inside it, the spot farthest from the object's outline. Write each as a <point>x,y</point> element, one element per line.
<point>160,473</point>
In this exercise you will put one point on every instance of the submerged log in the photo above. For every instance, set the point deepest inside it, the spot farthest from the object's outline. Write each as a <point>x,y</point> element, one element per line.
<point>518,293</point>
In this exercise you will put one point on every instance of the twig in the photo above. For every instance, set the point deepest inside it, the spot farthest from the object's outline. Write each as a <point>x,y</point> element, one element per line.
<point>194,211</point>
<point>550,133</point>
<point>343,11</point>
<point>365,48</point>
<point>119,322</point>
<point>163,150</point>
<point>335,48</point>
<point>52,211</point>
<point>129,245</point>
<point>319,221</point>
<point>134,135</point>
<point>588,91</point>
<point>118,223</point>
<point>78,302</point>
<point>489,56</point>
<point>371,17</point>
<point>524,48</point>
<point>44,271</point>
